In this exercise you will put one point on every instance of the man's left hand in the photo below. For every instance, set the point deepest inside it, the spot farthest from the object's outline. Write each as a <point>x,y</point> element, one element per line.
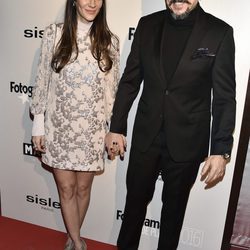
<point>214,170</point>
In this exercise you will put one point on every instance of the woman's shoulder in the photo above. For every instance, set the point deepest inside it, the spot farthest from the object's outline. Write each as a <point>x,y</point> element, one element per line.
<point>59,25</point>
<point>52,29</point>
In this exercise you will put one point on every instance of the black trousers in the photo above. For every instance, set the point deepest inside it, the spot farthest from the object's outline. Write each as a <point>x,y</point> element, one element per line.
<point>143,171</point>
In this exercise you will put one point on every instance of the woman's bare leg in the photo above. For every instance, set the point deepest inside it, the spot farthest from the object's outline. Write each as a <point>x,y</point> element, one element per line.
<point>67,188</point>
<point>84,184</point>
<point>74,191</point>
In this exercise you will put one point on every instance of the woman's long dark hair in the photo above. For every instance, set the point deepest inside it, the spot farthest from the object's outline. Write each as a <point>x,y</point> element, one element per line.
<point>100,37</point>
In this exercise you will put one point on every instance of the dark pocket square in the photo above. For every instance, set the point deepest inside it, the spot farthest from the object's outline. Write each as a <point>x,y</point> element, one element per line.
<point>201,53</point>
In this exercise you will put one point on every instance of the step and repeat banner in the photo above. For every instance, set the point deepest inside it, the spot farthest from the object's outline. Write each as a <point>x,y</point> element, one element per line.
<point>28,190</point>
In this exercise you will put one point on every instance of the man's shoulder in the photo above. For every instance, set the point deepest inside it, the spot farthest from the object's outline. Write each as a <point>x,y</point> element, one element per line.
<point>154,17</point>
<point>216,22</point>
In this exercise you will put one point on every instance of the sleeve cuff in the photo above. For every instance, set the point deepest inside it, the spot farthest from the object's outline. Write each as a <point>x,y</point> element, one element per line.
<point>38,125</point>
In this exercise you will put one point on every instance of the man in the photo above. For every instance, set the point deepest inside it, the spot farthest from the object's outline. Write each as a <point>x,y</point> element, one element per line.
<point>186,59</point>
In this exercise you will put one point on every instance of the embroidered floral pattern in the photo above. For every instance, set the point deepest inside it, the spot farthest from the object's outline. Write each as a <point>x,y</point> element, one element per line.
<point>77,103</point>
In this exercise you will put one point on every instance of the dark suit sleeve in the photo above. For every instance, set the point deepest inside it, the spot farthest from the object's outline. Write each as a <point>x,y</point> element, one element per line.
<point>129,86</point>
<point>223,104</point>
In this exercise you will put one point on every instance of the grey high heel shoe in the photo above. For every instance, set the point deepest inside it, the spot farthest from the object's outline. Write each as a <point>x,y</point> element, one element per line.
<point>84,245</point>
<point>69,244</point>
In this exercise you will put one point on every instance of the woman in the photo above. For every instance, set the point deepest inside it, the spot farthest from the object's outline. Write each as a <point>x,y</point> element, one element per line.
<point>72,103</point>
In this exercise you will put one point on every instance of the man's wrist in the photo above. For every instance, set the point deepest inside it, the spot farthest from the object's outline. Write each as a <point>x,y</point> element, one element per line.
<point>226,156</point>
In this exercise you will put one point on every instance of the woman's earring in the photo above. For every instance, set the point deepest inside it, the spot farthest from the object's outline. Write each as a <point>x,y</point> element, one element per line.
<point>74,4</point>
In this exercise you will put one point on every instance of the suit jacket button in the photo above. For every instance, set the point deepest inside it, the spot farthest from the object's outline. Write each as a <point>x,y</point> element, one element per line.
<point>167,92</point>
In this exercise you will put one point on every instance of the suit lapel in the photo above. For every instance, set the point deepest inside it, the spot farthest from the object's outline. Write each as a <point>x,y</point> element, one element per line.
<point>196,36</point>
<point>161,59</point>
<point>158,49</point>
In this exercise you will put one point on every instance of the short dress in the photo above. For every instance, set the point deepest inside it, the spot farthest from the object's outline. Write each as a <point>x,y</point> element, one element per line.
<point>77,103</point>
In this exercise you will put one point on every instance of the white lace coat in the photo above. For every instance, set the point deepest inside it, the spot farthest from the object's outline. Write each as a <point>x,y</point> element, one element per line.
<point>77,104</point>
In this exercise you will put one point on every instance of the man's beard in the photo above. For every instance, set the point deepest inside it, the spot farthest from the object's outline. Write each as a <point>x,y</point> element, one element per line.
<point>183,15</point>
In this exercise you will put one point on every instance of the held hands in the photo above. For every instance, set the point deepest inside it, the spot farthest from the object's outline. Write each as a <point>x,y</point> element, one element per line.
<point>115,145</point>
<point>39,143</point>
<point>214,170</point>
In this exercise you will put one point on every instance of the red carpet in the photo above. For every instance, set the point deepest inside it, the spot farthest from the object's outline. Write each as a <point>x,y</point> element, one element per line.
<point>17,235</point>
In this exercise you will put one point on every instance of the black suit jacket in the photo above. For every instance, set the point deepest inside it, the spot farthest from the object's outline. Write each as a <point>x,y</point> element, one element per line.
<point>205,72</point>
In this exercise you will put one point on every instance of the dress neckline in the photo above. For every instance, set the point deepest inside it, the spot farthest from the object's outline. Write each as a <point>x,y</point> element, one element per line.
<point>81,26</point>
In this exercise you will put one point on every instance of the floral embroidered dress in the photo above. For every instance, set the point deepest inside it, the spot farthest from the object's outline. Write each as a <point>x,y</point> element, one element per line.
<point>77,103</point>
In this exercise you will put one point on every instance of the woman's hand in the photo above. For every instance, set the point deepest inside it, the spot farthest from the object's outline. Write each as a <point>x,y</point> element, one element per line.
<point>115,145</point>
<point>39,143</point>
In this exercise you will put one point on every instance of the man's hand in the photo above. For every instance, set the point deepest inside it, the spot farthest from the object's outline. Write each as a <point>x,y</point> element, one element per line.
<point>39,143</point>
<point>115,144</point>
<point>214,170</point>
